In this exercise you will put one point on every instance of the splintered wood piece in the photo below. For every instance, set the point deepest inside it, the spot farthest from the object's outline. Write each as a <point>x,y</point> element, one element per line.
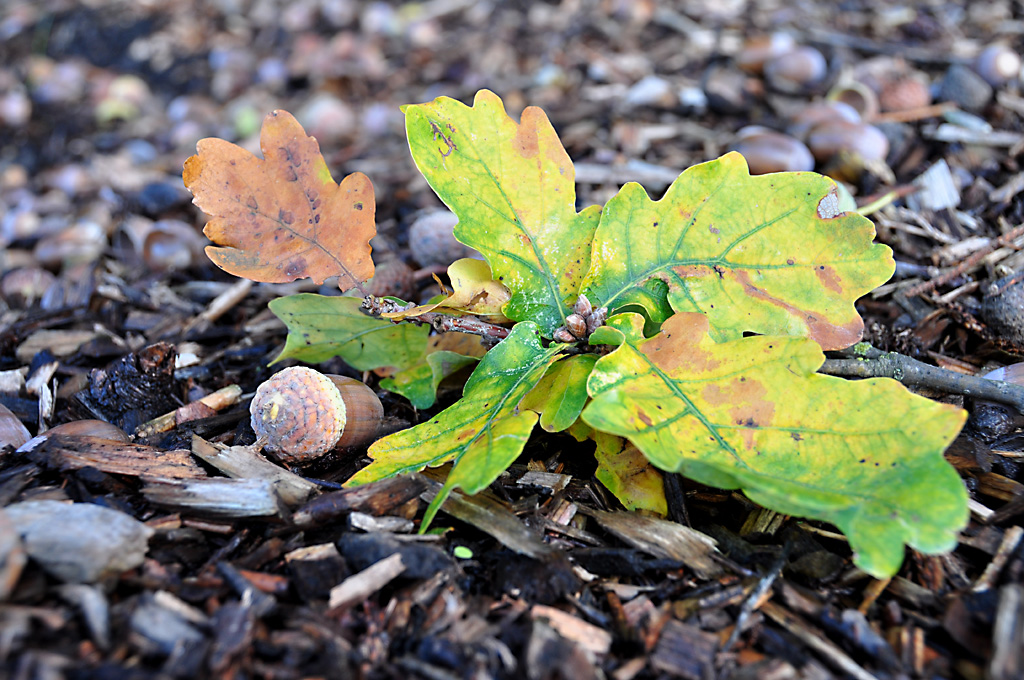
<point>358,587</point>
<point>596,641</point>
<point>217,497</point>
<point>375,498</point>
<point>1007,547</point>
<point>685,651</point>
<point>493,518</point>
<point>661,538</point>
<point>547,480</point>
<point>73,452</point>
<point>200,408</point>
<point>1007,661</point>
<point>816,641</point>
<point>244,462</point>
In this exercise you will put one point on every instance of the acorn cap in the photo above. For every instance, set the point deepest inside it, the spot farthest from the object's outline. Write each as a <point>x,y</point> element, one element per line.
<point>300,412</point>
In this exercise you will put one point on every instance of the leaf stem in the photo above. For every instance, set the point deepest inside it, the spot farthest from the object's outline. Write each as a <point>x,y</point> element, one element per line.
<point>878,364</point>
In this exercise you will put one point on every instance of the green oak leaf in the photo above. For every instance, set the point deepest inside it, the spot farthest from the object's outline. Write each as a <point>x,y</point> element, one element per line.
<point>512,186</point>
<point>419,382</point>
<point>561,394</point>
<point>770,254</point>
<point>482,433</point>
<point>321,327</point>
<point>753,414</point>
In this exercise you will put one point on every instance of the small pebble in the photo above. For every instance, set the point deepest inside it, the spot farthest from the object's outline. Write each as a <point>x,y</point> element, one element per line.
<point>965,88</point>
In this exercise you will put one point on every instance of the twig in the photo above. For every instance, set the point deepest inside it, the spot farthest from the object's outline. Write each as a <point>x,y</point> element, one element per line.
<point>756,598</point>
<point>872,363</point>
<point>442,323</point>
<point>1006,239</point>
<point>911,115</point>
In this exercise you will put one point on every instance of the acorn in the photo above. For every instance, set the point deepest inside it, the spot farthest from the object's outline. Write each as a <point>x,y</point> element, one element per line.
<point>761,48</point>
<point>774,152</point>
<point>800,69</point>
<point>829,138</point>
<point>304,414</point>
<point>905,93</point>
<point>432,242</point>
<point>23,287</point>
<point>819,112</point>
<point>392,278</point>
<point>997,64</point>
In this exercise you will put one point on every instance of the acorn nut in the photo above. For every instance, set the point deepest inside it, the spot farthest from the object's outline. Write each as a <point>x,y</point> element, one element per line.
<point>806,118</point>
<point>774,152</point>
<point>799,69</point>
<point>829,138</point>
<point>761,48</point>
<point>997,64</point>
<point>583,306</point>
<point>304,414</point>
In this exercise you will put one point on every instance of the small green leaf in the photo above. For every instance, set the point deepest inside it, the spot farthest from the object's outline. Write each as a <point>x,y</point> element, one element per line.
<point>769,254</point>
<point>321,327</point>
<point>561,394</point>
<point>419,383</point>
<point>482,433</point>
<point>752,414</point>
<point>624,470</point>
<point>513,188</point>
<point>462,552</point>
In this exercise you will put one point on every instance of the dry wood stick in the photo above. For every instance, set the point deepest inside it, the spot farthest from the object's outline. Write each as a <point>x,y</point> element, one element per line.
<point>1006,239</point>
<point>877,364</point>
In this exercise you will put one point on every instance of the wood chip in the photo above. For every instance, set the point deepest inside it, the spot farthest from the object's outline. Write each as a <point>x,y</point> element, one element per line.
<point>685,651</point>
<point>217,497</point>
<point>358,587</point>
<point>816,641</point>
<point>493,518</point>
<point>1007,661</point>
<point>662,538</point>
<point>375,498</point>
<point>67,452</point>
<point>1011,539</point>
<point>245,462</point>
<point>595,640</point>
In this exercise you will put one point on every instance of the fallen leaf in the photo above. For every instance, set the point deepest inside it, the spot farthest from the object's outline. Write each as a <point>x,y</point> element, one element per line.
<point>282,218</point>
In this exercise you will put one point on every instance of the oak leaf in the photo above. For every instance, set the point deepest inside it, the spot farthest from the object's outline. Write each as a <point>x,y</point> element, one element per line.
<point>282,217</point>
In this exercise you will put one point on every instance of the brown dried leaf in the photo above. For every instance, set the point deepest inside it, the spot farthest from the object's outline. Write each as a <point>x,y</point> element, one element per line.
<point>282,218</point>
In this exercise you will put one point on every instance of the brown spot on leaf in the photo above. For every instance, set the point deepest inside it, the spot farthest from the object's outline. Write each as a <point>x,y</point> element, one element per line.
<point>252,203</point>
<point>644,418</point>
<point>678,346</point>
<point>826,334</point>
<point>829,278</point>
<point>296,268</point>
<point>284,217</point>
<point>526,143</point>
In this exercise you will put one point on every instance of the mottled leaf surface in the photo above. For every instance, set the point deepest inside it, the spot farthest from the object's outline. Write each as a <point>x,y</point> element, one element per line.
<point>321,327</point>
<point>627,473</point>
<point>513,189</point>
<point>282,217</point>
<point>753,414</point>
<point>769,254</point>
<point>483,432</point>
